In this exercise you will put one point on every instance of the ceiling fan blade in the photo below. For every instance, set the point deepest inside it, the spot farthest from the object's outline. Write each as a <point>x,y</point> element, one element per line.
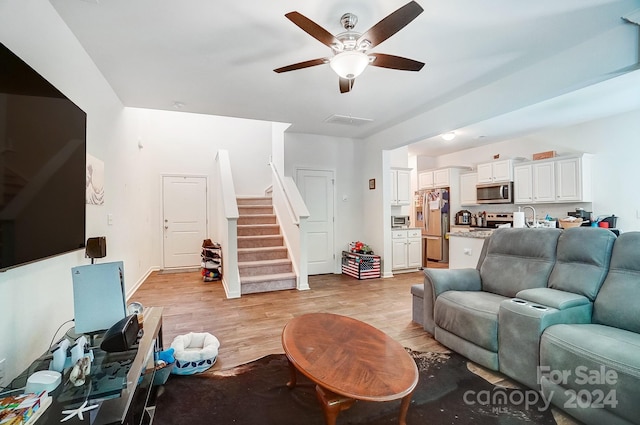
<point>346,85</point>
<point>391,24</point>
<point>313,29</point>
<point>395,62</point>
<point>300,65</point>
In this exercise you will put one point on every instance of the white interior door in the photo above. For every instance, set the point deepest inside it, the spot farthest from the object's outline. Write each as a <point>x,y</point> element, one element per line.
<point>184,219</point>
<point>316,188</point>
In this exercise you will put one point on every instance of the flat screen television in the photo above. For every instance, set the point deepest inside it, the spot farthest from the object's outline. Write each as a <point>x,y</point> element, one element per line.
<point>42,167</point>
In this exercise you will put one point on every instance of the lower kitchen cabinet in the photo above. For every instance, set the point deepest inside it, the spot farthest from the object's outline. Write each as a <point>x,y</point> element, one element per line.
<point>464,251</point>
<point>406,253</point>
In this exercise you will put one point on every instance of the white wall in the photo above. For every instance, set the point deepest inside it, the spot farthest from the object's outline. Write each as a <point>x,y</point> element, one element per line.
<point>613,141</point>
<point>185,143</point>
<point>342,156</point>
<point>37,298</point>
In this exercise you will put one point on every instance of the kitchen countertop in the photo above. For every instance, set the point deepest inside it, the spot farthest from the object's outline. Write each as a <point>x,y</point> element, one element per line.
<point>479,234</point>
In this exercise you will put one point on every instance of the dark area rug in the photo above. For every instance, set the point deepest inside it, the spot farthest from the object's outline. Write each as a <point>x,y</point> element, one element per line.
<point>256,393</point>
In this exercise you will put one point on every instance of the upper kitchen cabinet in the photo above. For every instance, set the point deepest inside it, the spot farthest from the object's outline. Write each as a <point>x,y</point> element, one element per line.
<point>573,179</point>
<point>496,171</point>
<point>534,182</point>
<point>400,186</point>
<point>556,180</point>
<point>425,180</point>
<point>468,191</point>
<point>440,178</point>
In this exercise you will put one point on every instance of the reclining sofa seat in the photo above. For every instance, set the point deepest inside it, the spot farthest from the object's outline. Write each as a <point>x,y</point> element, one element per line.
<point>582,263</point>
<point>611,340</point>
<point>465,302</point>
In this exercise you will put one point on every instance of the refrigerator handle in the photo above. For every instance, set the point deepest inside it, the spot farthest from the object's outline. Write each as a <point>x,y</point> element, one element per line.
<point>425,212</point>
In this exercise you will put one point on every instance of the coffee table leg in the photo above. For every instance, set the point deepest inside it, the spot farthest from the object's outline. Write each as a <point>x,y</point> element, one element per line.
<point>332,404</point>
<point>404,407</point>
<point>292,379</point>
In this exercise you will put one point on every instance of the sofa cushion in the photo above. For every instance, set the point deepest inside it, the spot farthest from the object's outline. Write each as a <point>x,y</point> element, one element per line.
<point>471,315</point>
<point>583,260</point>
<point>580,351</point>
<point>518,259</point>
<point>617,302</point>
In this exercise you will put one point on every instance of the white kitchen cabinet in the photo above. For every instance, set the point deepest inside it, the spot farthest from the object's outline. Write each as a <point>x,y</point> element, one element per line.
<point>425,180</point>
<point>468,192</point>
<point>400,186</point>
<point>406,252</point>
<point>442,178</point>
<point>554,180</point>
<point>573,179</point>
<point>494,172</point>
<point>534,183</point>
<point>464,252</point>
<point>544,188</point>
<point>523,184</point>
<point>485,173</point>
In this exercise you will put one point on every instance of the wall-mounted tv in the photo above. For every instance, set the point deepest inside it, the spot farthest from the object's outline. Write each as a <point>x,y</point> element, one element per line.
<point>42,166</point>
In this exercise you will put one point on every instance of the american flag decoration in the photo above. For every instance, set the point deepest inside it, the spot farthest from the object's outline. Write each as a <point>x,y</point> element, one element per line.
<point>360,266</point>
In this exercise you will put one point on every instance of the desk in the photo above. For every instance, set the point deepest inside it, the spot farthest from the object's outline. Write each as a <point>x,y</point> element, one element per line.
<point>121,383</point>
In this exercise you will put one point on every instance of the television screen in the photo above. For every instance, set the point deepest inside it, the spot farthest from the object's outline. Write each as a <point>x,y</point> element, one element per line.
<point>42,166</point>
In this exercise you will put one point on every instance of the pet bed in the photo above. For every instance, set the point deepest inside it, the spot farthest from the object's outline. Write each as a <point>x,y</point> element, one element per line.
<point>194,352</point>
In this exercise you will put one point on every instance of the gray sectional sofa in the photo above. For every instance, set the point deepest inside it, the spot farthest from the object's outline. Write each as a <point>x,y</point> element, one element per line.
<point>556,310</point>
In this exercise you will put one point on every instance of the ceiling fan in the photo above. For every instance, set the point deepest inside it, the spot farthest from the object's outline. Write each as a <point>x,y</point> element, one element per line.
<point>350,57</point>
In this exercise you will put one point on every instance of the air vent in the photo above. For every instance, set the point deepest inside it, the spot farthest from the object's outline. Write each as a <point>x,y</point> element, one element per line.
<point>347,120</point>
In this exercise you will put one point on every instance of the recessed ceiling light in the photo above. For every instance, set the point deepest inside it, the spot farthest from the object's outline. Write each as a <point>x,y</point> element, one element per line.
<point>449,136</point>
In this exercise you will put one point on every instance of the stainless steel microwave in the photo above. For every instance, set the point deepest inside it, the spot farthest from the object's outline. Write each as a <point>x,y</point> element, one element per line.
<point>495,193</point>
<point>400,221</point>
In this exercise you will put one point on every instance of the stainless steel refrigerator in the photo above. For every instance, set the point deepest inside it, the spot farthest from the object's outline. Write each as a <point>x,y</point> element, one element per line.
<point>432,216</point>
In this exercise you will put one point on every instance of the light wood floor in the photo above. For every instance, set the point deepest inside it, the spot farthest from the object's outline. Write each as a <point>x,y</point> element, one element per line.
<point>251,326</point>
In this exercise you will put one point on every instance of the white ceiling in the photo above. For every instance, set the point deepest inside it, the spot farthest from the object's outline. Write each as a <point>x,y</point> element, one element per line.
<point>486,58</point>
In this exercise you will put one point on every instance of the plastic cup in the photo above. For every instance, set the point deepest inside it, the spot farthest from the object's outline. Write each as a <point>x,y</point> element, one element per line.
<point>604,224</point>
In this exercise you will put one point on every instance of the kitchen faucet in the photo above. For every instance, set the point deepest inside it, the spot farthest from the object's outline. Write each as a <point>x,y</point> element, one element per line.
<point>534,223</point>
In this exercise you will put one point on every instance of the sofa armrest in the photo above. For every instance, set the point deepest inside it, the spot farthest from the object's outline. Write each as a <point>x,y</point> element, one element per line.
<point>521,325</point>
<point>443,280</point>
<point>554,298</point>
<point>437,281</point>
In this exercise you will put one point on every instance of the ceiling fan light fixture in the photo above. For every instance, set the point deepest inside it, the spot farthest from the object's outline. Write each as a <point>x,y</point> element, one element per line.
<point>349,64</point>
<point>449,136</point>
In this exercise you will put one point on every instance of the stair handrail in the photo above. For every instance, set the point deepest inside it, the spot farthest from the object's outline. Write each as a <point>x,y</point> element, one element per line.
<point>295,204</point>
<point>288,201</point>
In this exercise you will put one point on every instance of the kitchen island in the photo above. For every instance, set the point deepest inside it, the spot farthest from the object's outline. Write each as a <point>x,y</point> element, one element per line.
<point>465,248</point>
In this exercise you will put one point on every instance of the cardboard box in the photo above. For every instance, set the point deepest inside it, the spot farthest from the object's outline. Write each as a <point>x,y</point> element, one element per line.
<point>544,155</point>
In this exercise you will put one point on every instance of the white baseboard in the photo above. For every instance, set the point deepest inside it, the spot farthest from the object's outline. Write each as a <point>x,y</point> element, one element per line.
<point>141,281</point>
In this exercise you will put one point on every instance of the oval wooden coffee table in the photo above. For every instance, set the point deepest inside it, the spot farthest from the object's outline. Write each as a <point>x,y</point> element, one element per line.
<point>348,360</point>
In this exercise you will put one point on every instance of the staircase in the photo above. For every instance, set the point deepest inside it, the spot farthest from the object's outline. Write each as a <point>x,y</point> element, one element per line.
<point>263,260</point>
